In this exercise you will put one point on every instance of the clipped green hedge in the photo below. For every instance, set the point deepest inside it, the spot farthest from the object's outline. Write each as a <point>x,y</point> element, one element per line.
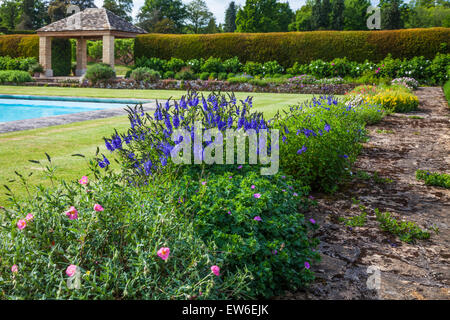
<point>61,57</point>
<point>303,47</point>
<point>18,45</point>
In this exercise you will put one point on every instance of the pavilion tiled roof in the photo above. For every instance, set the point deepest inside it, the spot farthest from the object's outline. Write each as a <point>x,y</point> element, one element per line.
<point>92,19</point>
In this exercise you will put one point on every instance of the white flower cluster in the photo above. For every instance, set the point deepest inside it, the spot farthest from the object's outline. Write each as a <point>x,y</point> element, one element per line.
<point>407,82</point>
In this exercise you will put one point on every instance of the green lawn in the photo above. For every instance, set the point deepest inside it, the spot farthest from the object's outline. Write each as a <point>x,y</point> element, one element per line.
<point>62,141</point>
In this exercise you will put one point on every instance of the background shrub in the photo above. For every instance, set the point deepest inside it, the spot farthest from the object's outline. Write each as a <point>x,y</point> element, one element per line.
<point>145,74</point>
<point>24,64</point>
<point>253,68</point>
<point>175,65</point>
<point>14,76</point>
<point>99,72</point>
<point>213,65</point>
<point>185,74</point>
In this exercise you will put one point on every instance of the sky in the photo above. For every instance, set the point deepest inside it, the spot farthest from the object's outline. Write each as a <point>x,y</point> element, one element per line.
<point>217,7</point>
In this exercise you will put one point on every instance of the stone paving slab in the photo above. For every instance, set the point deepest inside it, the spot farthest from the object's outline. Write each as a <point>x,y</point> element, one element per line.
<point>28,124</point>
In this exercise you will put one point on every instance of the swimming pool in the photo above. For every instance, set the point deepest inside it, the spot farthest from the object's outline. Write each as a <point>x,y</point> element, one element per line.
<point>14,108</point>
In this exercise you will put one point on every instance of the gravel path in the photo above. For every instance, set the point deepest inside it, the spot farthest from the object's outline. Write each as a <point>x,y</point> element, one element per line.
<point>398,146</point>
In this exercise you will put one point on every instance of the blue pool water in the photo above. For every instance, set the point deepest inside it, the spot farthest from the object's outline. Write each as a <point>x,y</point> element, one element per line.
<point>12,109</point>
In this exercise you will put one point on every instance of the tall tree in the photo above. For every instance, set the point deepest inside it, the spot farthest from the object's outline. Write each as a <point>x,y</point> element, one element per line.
<point>337,15</point>
<point>230,17</point>
<point>391,14</point>
<point>173,10</point>
<point>57,10</point>
<point>121,8</point>
<point>316,12</point>
<point>198,16</point>
<point>33,15</point>
<point>83,4</point>
<point>355,14</point>
<point>212,26</point>
<point>264,16</point>
<point>325,11</point>
<point>303,18</point>
<point>9,14</point>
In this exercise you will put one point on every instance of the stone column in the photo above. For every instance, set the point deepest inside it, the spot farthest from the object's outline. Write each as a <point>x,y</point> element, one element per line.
<point>108,50</point>
<point>45,55</point>
<point>81,57</point>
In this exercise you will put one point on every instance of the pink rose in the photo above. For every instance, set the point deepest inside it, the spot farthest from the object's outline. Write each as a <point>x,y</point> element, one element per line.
<point>215,270</point>
<point>29,217</point>
<point>257,195</point>
<point>70,271</point>
<point>14,268</point>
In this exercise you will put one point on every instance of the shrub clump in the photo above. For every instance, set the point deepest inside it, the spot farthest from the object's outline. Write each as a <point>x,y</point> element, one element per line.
<point>14,76</point>
<point>99,72</point>
<point>391,98</point>
<point>434,178</point>
<point>145,74</point>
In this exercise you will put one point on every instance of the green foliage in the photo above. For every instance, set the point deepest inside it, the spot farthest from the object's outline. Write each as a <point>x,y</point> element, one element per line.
<point>355,221</point>
<point>115,250</point>
<point>175,65</point>
<point>24,64</point>
<point>14,76</point>
<point>275,249</point>
<point>204,76</point>
<point>100,72</point>
<point>232,65</point>
<point>61,57</point>
<point>446,89</point>
<point>123,49</point>
<point>407,231</point>
<point>154,15</point>
<point>212,65</point>
<point>169,75</point>
<point>145,74</point>
<point>156,64</point>
<point>434,178</point>
<point>440,68</point>
<point>230,17</point>
<point>95,50</point>
<point>264,16</point>
<point>272,67</point>
<point>253,68</point>
<point>320,141</point>
<point>185,74</point>
<point>195,64</point>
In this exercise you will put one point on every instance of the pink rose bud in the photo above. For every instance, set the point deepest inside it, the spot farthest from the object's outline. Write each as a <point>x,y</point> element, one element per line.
<point>70,271</point>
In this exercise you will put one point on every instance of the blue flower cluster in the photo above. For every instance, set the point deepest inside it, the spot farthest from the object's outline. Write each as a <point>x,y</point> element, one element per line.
<point>146,147</point>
